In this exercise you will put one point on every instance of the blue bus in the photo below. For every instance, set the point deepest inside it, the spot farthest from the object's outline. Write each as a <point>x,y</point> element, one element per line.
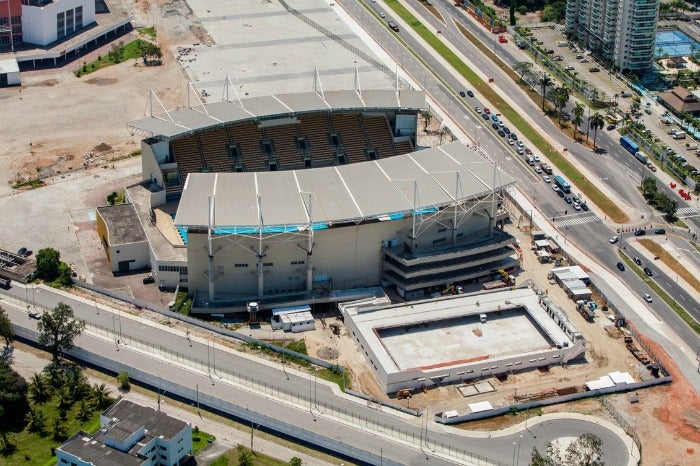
<point>563,185</point>
<point>629,145</point>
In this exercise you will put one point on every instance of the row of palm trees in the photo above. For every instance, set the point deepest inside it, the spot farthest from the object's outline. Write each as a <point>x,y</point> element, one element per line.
<point>560,96</point>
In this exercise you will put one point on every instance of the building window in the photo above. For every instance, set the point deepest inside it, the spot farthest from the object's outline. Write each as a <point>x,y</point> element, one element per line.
<point>79,17</point>
<point>268,264</point>
<point>298,262</point>
<point>70,25</point>
<point>60,25</point>
<point>439,240</point>
<point>240,265</point>
<point>16,20</point>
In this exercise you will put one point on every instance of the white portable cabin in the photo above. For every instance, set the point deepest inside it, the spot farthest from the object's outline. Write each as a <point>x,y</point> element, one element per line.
<point>293,319</point>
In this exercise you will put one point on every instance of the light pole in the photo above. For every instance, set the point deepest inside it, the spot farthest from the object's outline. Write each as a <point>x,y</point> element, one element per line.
<point>514,445</point>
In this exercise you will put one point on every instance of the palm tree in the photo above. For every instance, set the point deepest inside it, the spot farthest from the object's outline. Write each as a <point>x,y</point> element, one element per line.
<point>57,428</point>
<point>561,97</point>
<point>38,388</point>
<point>35,420</point>
<point>100,396</point>
<point>83,410</point>
<point>545,82</point>
<point>428,116</point>
<point>578,117</point>
<point>596,121</point>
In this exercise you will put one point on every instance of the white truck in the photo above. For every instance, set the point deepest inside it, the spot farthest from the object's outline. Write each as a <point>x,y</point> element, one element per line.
<point>641,156</point>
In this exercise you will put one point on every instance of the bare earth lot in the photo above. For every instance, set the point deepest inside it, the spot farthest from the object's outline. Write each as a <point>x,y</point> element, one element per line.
<point>56,119</point>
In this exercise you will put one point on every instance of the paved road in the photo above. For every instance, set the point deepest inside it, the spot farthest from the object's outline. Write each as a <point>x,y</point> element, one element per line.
<point>362,425</point>
<point>618,169</point>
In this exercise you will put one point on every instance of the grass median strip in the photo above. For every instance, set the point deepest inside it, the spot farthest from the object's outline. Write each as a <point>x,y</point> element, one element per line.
<point>687,318</point>
<point>664,256</point>
<point>587,188</point>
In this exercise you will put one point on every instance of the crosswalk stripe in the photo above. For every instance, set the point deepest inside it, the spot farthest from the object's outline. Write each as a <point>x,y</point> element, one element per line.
<point>576,220</point>
<point>686,211</point>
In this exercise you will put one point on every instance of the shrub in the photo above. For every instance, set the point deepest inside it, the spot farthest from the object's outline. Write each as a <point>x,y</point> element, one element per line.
<point>123,380</point>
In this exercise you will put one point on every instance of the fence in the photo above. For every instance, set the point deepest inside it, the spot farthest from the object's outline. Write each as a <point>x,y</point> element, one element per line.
<point>351,416</point>
<point>623,423</point>
<point>552,401</point>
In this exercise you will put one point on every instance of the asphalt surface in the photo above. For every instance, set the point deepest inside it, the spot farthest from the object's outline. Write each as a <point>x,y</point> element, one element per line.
<point>618,169</point>
<point>365,424</point>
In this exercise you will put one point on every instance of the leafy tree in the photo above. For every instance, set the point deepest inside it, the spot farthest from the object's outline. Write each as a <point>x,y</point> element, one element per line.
<point>13,396</point>
<point>48,261</point>
<point>596,121</point>
<point>584,451</point>
<point>522,68</point>
<point>38,388</point>
<point>649,188</point>
<point>545,82</point>
<point>6,331</point>
<point>578,117</point>
<point>58,329</point>
<point>36,420</point>
<point>295,461</point>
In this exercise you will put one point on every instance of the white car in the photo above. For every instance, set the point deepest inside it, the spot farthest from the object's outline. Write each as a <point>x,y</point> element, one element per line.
<point>555,188</point>
<point>536,157</point>
<point>647,297</point>
<point>519,151</point>
<point>501,124</point>
<point>576,206</point>
<point>547,179</point>
<point>569,67</point>
<point>520,144</point>
<point>382,15</point>
<point>477,109</point>
<point>510,141</point>
<point>538,170</point>
<point>614,239</point>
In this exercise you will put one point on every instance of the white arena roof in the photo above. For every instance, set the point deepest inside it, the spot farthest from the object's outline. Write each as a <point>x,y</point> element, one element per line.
<point>375,190</point>
<point>180,122</point>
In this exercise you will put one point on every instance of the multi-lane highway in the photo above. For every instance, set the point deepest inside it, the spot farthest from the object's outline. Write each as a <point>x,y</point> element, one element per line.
<point>148,345</point>
<point>616,172</point>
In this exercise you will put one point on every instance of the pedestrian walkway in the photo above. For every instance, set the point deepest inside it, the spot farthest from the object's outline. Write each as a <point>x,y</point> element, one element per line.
<point>576,219</point>
<point>685,212</point>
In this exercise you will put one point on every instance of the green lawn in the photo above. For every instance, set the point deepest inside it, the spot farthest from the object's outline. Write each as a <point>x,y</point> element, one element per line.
<point>35,449</point>
<point>200,440</point>
<point>132,50</point>
<point>587,188</point>
<point>230,458</point>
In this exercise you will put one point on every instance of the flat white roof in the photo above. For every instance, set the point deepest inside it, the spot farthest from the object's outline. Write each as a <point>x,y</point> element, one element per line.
<point>9,65</point>
<point>296,317</point>
<point>290,199</point>
<point>413,335</point>
<point>480,406</point>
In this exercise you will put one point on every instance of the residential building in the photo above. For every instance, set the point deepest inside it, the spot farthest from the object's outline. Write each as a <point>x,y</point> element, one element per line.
<point>620,33</point>
<point>680,101</point>
<point>130,435</point>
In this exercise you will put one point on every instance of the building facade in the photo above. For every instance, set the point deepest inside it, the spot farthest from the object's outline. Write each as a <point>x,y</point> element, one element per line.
<point>10,23</point>
<point>47,21</point>
<point>621,33</point>
<point>130,435</point>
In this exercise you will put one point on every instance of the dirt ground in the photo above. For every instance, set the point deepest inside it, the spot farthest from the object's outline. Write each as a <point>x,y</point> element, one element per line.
<point>66,136</point>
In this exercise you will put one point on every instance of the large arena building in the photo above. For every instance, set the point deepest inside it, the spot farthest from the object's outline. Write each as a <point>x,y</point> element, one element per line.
<point>289,198</point>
